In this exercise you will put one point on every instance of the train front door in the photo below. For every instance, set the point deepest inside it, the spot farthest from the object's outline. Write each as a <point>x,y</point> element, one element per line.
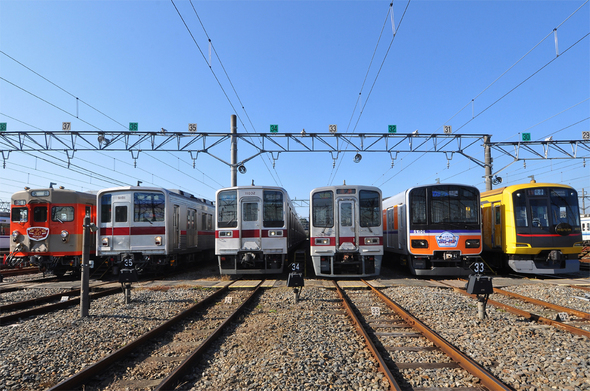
<point>119,225</point>
<point>347,238</point>
<point>250,235</point>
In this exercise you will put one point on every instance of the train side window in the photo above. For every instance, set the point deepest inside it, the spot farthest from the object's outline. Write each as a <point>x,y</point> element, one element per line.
<point>498,214</point>
<point>20,215</point>
<point>209,222</point>
<point>62,213</point>
<point>121,214</point>
<point>40,214</point>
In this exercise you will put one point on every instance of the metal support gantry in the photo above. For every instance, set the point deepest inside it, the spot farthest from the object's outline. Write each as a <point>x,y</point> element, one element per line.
<point>274,144</point>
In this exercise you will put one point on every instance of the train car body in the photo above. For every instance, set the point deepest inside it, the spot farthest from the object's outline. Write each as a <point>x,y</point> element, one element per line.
<point>4,231</point>
<point>346,233</point>
<point>151,228</point>
<point>532,228</point>
<point>47,228</point>
<point>585,222</point>
<point>434,229</point>
<point>256,228</point>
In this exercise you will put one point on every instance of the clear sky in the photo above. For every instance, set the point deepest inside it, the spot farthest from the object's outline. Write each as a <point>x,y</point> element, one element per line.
<point>482,67</point>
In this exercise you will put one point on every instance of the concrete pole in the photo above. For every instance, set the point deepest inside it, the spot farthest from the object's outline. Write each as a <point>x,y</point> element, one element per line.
<point>488,161</point>
<point>84,289</point>
<point>234,151</point>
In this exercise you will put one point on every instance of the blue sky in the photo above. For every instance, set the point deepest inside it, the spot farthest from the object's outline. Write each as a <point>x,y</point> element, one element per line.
<point>301,65</point>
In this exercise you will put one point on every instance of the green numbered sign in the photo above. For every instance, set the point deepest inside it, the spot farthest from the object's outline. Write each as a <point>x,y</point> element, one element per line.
<point>526,137</point>
<point>274,128</point>
<point>133,126</point>
<point>392,128</point>
<point>2,126</point>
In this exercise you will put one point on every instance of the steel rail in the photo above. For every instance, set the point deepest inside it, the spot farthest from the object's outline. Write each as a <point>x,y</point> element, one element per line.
<point>571,311</point>
<point>170,382</point>
<point>361,330</point>
<point>19,272</point>
<point>8,319</point>
<point>100,366</point>
<point>38,300</point>
<point>527,315</point>
<point>467,363</point>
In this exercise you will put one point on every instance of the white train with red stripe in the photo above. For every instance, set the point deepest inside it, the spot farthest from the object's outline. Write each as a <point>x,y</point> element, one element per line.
<point>256,228</point>
<point>151,228</point>
<point>346,233</point>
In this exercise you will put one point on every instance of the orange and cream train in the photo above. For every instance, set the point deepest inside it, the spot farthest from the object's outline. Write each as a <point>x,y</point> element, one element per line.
<point>434,229</point>
<point>46,228</point>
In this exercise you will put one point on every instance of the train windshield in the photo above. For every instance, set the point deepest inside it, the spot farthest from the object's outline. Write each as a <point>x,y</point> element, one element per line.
<point>62,213</point>
<point>322,209</point>
<point>446,205</point>
<point>149,207</point>
<point>40,214</point>
<point>547,207</point>
<point>370,208</point>
<point>20,215</point>
<point>227,209</point>
<point>273,209</point>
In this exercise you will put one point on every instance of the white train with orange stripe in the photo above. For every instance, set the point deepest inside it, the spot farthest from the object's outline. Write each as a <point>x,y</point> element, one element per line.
<point>434,229</point>
<point>256,228</point>
<point>151,228</point>
<point>346,233</point>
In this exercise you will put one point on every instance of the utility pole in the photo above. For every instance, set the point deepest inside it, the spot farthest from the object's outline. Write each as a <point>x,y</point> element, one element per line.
<point>487,161</point>
<point>234,151</point>
<point>84,294</point>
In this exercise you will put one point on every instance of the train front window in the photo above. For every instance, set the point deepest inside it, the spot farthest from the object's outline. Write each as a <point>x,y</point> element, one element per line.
<point>227,208</point>
<point>322,209</point>
<point>121,214</point>
<point>370,208</point>
<point>250,211</point>
<point>564,206</point>
<point>19,215</point>
<point>452,204</point>
<point>105,208</point>
<point>346,214</point>
<point>62,213</point>
<point>539,215</point>
<point>418,206</point>
<point>273,209</point>
<point>149,207</point>
<point>40,214</point>
<point>520,214</point>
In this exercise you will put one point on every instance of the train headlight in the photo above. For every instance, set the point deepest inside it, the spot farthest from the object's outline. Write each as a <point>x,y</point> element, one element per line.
<point>225,234</point>
<point>275,233</point>
<point>158,240</point>
<point>371,240</point>
<point>322,241</point>
<point>105,242</point>
<point>15,236</point>
<point>472,243</point>
<point>419,243</point>
<point>64,235</point>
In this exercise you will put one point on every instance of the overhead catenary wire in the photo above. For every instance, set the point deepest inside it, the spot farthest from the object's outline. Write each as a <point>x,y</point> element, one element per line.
<point>389,11</point>
<point>215,75</point>
<point>474,116</point>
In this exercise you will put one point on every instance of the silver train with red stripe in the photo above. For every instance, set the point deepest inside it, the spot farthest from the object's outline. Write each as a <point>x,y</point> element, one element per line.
<point>256,228</point>
<point>151,228</point>
<point>346,232</point>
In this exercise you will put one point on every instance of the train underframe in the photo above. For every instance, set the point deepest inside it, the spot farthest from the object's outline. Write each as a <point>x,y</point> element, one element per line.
<point>351,264</point>
<point>545,262</point>
<point>251,262</point>
<point>441,263</point>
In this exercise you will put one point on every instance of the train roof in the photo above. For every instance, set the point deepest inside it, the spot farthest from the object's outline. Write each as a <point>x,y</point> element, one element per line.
<point>513,188</point>
<point>153,188</point>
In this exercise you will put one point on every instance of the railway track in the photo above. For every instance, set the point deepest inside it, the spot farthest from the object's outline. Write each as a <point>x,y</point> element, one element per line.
<point>171,348</point>
<point>554,315</point>
<point>392,333</point>
<point>10,314</point>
